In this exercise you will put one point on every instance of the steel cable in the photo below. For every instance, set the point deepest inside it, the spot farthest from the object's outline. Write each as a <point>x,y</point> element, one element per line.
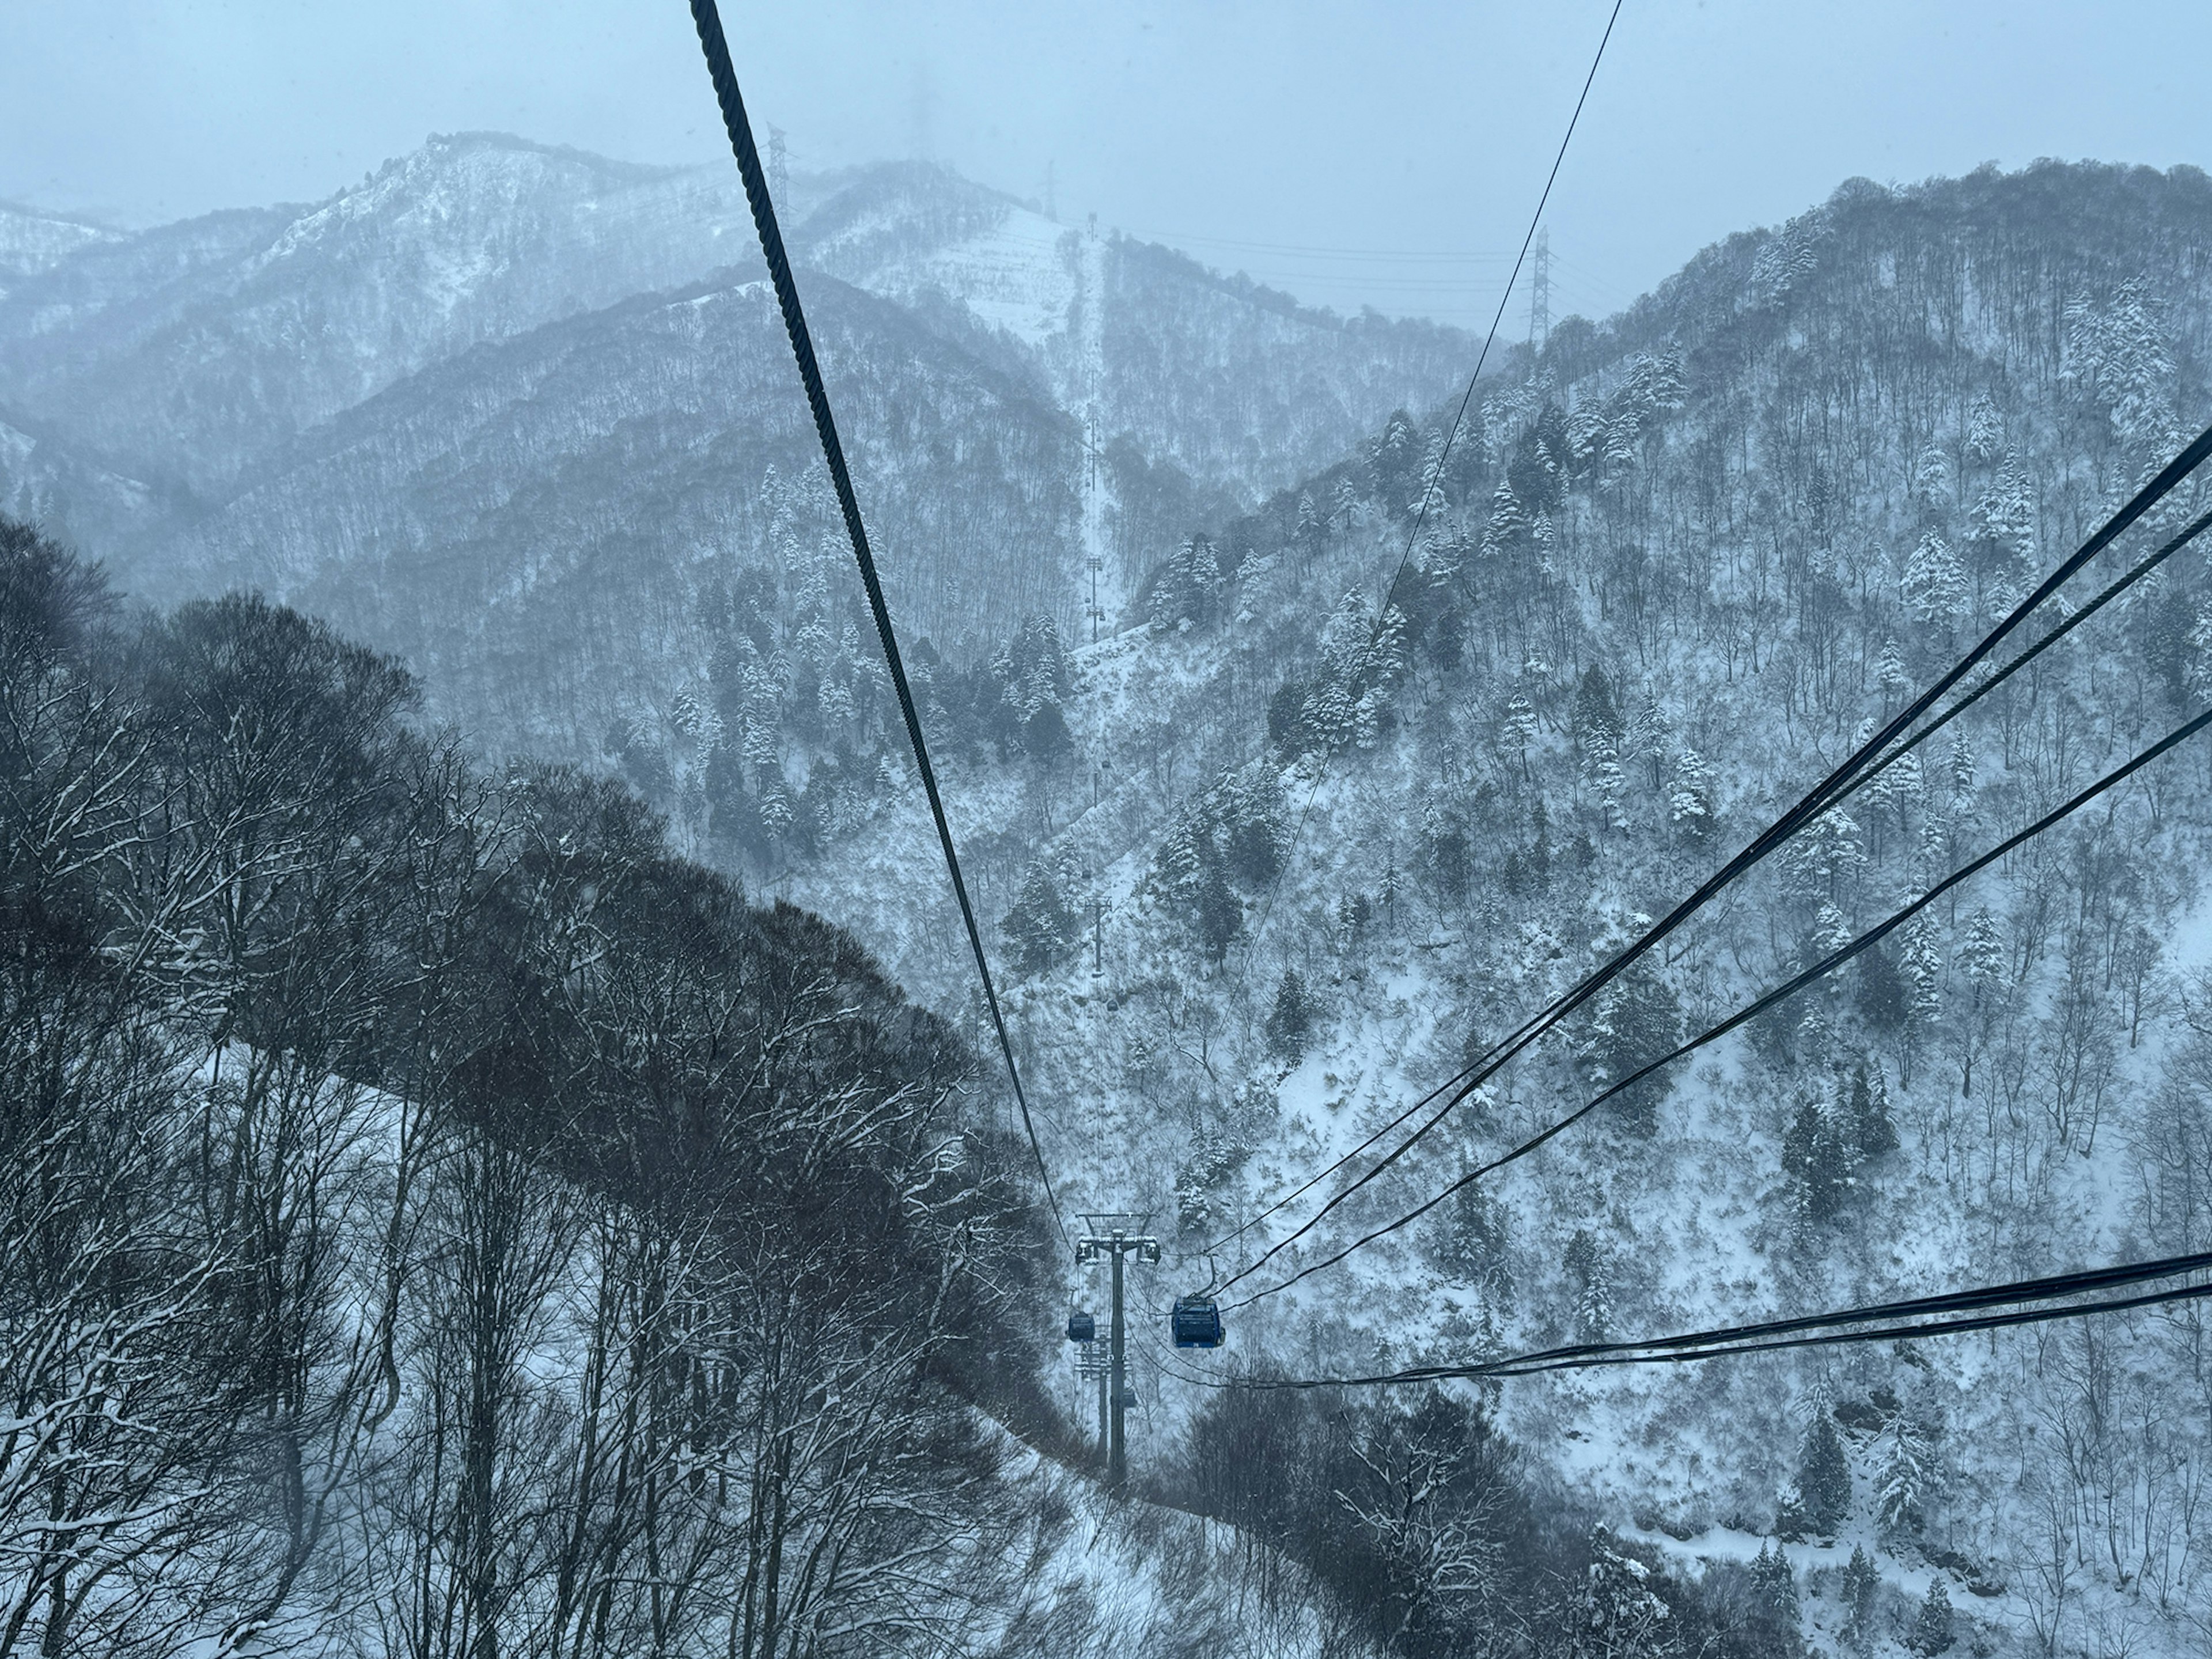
<point>708,21</point>
<point>1822,796</point>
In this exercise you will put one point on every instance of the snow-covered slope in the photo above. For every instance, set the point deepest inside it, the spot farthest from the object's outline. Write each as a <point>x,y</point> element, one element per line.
<point>31,241</point>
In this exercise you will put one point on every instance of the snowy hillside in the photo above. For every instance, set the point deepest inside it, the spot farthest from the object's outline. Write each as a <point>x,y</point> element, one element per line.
<point>1680,559</point>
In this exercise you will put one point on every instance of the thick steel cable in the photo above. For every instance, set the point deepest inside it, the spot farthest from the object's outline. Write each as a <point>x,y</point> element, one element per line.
<point>1712,1034</point>
<point>2119,586</point>
<point>1882,1321</point>
<point>1817,800</point>
<point>708,21</point>
<point>1431,488</point>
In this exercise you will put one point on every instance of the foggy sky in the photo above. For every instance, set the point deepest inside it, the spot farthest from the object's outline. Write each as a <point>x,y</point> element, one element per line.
<point>1384,154</point>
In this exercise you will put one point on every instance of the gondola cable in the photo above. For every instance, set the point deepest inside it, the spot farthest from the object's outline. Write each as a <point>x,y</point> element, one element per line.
<point>1712,1034</point>
<point>1433,486</point>
<point>1912,1318</point>
<point>2114,591</point>
<point>1822,796</point>
<point>712,42</point>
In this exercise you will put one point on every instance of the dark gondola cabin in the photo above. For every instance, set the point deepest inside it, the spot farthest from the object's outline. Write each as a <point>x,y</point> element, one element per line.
<point>1082,1327</point>
<point>1195,1322</point>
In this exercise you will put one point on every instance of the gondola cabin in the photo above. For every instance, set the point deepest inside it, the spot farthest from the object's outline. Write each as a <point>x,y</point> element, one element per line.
<point>1195,1322</point>
<point>1082,1327</point>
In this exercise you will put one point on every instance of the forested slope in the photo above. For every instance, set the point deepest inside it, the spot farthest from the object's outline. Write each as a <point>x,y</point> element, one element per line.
<point>1680,563</point>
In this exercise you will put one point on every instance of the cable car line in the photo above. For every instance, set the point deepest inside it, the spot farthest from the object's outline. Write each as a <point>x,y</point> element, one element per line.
<point>1823,795</point>
<point>2117,589</point>
<point>1432,487</point>
<point>1712,1034</point>
<point>1910,1319</point>
<point>712,42</point>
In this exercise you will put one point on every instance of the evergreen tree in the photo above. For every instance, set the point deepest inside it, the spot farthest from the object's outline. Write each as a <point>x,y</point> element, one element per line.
<point>1040,925</point>
<point>1889,671</point>
<point>1689,807</point>
<point>1871,1119</point>
<point>1981,961</point>
<point>1962,769</point>
<point>1821,1160</point>
<point>1984,429</point>
<point>1934,584</point>
<point>1824,1475</point>
<point>1775,1585</point>
<point>1931,473</point>
<point>1310,533</point>
<point>1861,1582</point>
<point>1634,1021</point>
<point>1188,590</point>
<point>1586,1274</point>
<point>1907,1474</point>
<point>1931,1630</point>
<point>1345,507</point>
<point>1622,1615</point>
<point>1520,727</point>
<point>1291,1020</point>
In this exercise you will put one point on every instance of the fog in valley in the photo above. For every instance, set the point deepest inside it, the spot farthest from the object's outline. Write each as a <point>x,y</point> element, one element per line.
<point>1695,830</point>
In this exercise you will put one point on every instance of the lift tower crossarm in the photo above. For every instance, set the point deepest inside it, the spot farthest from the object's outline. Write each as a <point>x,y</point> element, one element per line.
<point>1114,1236</point>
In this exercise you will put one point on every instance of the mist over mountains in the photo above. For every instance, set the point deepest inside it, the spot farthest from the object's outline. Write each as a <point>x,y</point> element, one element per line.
<point>1294,837</point>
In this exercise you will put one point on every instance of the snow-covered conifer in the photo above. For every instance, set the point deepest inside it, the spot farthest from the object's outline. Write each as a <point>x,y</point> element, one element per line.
<point>1775,1585</point>
<point>1824,1475</point>
<point>1984,429</point>
<point>1903,1487</point>
<point>1861,1582</point>
<point>1689,805</point>
<point>1933,584</point>
<point>1931,473</point>
<point>1931,1628</point>
<point>1889,671</point>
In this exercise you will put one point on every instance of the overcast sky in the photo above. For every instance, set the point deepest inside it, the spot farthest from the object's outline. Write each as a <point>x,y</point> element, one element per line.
<point>1384,154</point>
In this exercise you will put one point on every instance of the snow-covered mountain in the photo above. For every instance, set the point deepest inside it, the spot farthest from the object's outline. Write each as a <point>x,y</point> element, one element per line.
<point>160,386</point>
<point>1273,864</point>
<point>1296,838</point>
<point>31,241</point>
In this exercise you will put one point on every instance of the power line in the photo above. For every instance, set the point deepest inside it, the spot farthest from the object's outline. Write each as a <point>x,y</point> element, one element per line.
<point>1712,1034</point>
<point>1433,486</point>
<point>708,21</point>
<point>1908,1320</point>
<point>1823,795</point>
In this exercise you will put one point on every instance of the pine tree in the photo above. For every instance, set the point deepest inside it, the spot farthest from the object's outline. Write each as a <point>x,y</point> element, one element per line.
<point>1508,529</point>
<point>1774,1583</point>
<point>1689,800</point>
<point>1870,1120</point>
<point>1922,966</point>
<point>1861,1582</point>
<point>1040,925</point>
<point>1934,584</point>
<point>1889,671</point>
<point>1984,429</point>
<point>1907,1474</point>
<point>1821,1159</point>
<point>1586,1272</point>
<point>1824,1475</point>
<point>1931,1630</point>
<point>1961,771</point>
<point>1981,961</point>
<point>1290,1021</point>
<point>1931,473</point>
<point>1520,727</point>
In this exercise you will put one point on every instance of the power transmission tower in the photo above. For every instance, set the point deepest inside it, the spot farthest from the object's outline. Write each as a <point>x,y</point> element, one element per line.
<point>1540,290</point>
<point>778,165</point>
<point>1114,1236</point>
